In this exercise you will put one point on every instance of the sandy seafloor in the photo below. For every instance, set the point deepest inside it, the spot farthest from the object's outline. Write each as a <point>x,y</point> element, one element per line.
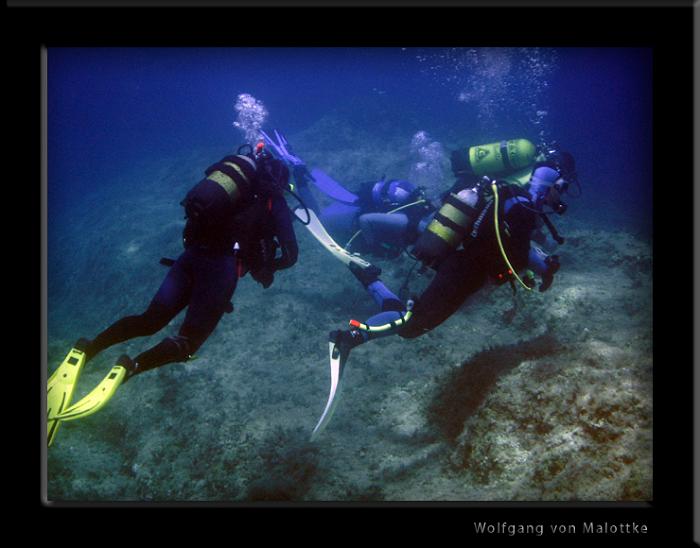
<point>545,396</point>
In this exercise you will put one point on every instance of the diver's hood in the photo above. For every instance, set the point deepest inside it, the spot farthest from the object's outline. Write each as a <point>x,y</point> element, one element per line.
<point>396,192</point>
<point>544,177</point>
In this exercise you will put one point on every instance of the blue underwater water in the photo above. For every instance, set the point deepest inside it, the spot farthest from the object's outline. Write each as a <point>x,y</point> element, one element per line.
<point>130,130</point>
<point>117,106</point>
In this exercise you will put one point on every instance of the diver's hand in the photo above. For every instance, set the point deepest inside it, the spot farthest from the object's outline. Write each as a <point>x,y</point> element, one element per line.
<point>552,262</point>
<point>283,149</point>
<point>264,277</point>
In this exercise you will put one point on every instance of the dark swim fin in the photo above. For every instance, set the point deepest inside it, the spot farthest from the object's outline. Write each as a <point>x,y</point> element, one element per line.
<point>332,188</point>
<point>61,385</point>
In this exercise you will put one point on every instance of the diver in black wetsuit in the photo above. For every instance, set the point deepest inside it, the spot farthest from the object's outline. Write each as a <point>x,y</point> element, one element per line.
<point>461,244</point>
<point>237,222</point>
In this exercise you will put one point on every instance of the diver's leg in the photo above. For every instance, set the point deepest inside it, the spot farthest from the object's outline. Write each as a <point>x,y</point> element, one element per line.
<point>355,336</point>
<point>215,280</point>
<point>392,310</point>
<point>456,278</point>
<point>380,293</point>
<point>339,220</point>
<point>379,228</point>
<point>170,299</point>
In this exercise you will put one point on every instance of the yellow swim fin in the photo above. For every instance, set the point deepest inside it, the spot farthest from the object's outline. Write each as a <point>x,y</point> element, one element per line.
<point>61,385</point>
<point>99,396</point>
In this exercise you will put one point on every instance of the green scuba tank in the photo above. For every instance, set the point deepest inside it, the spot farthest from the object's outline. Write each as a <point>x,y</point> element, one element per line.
<point>449,227</point>
<point>505,158</point>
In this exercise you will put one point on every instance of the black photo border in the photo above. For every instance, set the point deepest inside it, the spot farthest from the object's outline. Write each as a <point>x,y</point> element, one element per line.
<point>667,28</point>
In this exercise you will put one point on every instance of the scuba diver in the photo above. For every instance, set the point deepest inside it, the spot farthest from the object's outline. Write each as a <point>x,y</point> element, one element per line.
<point>388,214</point>
<point>482,232</point>
<point>237,222</point>
<point>391,214</point>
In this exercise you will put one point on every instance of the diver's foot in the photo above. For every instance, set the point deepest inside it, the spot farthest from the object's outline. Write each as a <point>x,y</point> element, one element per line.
<point>130,365</point>
<point>366,275</point>
<point>85,346</point>
<point>345,341</point>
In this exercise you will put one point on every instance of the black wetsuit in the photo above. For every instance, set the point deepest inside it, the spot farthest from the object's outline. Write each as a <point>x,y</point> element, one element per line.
<point>465,271</point>
<point>204,277</point>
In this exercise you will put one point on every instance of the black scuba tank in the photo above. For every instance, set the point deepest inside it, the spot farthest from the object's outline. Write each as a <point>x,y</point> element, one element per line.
<point>228,185</point>
<point>235,174</point>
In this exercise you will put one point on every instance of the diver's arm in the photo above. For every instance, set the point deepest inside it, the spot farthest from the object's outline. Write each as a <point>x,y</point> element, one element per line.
<point>284,230</point>
<point>384,228</point>
<point>543,238</point>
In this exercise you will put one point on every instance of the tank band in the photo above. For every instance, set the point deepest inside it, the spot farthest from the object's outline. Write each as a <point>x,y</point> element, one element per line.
<point>243,162</point>
<point>246,164</point>
<point>449,223</point>
<point>457,219</point>
<point>449,235</point>
<point>246,159</point>
<point>504,155</point>
<point>234,171</point>
<point>227,183</point>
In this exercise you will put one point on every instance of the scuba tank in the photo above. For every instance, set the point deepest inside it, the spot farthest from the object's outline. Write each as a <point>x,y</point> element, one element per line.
<point>506,159</point>
<point>503,157</point>
<point>235,174</point>
<point>450,226</point>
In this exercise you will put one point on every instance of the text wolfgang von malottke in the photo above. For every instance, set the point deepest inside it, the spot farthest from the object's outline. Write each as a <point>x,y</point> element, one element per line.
<point>540,529</point>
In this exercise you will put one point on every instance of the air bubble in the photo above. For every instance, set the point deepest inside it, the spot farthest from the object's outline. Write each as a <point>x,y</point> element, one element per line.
<point>251,115</point>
